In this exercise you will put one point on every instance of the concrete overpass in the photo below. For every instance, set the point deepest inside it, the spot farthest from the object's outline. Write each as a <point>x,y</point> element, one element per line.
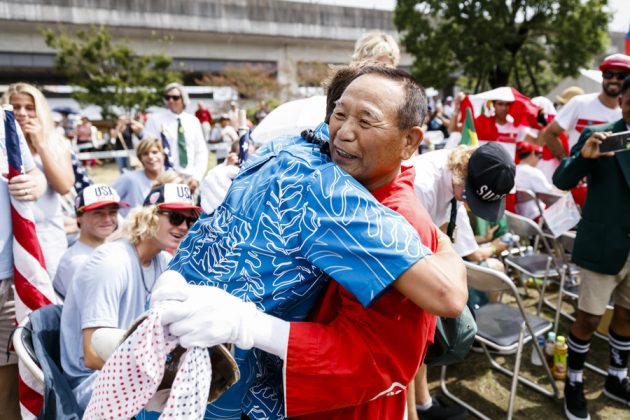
<point>207,35</point>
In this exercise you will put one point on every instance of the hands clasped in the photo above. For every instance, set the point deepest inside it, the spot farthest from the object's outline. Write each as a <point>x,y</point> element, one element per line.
<point>204,316</point>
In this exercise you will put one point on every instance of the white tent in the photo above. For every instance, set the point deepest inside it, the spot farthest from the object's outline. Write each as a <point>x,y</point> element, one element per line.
<point>589,80</point>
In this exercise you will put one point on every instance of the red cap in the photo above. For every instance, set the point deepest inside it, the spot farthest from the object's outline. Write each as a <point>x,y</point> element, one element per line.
<point>616,61</point>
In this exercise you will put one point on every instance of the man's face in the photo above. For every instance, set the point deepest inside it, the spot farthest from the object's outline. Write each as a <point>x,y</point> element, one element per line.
<point>501,109</point>
<point>364,136</point>
<point>624,103</point>
<point>99,223</point>
<point>174,101</point>
<point>612,79</point>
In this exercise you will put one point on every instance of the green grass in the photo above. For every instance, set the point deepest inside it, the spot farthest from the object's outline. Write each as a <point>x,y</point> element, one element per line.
<point>488,390</point>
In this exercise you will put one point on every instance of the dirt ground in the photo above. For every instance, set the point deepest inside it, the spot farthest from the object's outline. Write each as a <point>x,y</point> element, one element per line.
<point>487,389</point>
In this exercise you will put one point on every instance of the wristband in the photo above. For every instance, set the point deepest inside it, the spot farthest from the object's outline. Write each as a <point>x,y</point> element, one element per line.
<point>493,249</point>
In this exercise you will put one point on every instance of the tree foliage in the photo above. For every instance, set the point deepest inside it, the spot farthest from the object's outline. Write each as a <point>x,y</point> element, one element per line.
<point>254,82</point>
<point>525,43</point>
<point>110,74</point>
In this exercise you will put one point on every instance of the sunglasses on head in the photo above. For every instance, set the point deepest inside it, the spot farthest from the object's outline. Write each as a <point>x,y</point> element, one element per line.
<point>176,218</point>
<point>610,74</point>
<point>172,97</point>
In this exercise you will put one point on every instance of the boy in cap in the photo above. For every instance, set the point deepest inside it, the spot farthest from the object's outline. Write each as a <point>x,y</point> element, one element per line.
<point>96,208</point>
<point>118,278</point>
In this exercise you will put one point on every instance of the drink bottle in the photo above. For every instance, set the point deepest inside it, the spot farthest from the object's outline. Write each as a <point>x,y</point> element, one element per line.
<point>560,358</point>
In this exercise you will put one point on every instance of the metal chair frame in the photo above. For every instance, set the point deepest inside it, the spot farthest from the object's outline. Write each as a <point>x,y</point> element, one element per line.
<point>487,280</point>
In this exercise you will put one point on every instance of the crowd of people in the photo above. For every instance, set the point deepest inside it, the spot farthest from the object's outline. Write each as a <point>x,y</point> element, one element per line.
<point>323,258</point>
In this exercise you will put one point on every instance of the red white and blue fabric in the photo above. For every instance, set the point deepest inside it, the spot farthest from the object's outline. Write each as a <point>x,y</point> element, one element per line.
<point>133,373</point>
<point>167,151</point>
<point>33,287</point>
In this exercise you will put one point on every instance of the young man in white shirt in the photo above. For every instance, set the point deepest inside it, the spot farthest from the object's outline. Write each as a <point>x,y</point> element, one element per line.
<point>188,149</point>
<point>97,216</point>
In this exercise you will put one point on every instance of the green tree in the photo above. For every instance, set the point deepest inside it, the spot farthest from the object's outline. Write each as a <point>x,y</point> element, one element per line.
<point>110,74</point>
<point>253,82</point>
<point>525,43</point>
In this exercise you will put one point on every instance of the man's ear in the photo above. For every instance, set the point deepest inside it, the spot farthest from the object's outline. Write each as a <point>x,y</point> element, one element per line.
<point>413,138</point>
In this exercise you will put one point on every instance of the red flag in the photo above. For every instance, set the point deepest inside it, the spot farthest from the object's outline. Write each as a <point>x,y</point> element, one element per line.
<point>33,288</point>
<point>628,42</point>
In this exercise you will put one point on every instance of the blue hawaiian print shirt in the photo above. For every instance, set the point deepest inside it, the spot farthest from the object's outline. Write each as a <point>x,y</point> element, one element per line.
<point>291,219</point>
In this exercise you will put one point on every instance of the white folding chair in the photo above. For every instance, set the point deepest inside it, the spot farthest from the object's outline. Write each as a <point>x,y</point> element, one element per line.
<point>504,328</point>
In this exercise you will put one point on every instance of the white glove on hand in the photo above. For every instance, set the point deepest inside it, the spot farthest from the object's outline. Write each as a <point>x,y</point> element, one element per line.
<point>209,316</point>
<point>169,286</point>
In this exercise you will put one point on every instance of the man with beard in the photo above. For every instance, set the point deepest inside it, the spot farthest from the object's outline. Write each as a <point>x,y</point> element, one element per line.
<point>588,109</point>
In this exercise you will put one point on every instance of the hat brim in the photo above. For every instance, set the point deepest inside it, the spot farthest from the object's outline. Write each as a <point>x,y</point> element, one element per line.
<point>179,206</point>
<point>94,206</point>
<point>491,211</point>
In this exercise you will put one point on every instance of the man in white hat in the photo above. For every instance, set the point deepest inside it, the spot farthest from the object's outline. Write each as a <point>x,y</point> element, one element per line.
<point>96,208</point>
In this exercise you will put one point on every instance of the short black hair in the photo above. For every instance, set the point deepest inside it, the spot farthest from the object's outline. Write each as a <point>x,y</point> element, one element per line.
<point>626,85</point>
<point>413,109</point>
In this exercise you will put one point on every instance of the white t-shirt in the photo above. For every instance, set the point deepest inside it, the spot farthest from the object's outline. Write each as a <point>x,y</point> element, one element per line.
<point>132,187</point>
<point>6,233</point>
<point>582,111</point>
<point>75,257</point>
<point>434,188</point>
<point>49,225</point>
<point>532,179</point>
<point>110,290</point>
<point>434,184</point>
<point>196,147</point>
<point>465,242</point>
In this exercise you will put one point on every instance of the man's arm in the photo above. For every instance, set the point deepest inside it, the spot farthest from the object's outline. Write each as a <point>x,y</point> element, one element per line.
<point>201,153</point>
<point>437,283</point>
<point>583,155</point>
<point>91,359</point>
<point>550,138</point>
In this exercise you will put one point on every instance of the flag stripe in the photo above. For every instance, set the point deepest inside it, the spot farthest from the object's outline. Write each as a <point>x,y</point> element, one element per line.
<point>31,400</point>
<point>33,286</point>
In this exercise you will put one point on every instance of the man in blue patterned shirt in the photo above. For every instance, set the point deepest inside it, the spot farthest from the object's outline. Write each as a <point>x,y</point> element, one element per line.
<point>291,219</point>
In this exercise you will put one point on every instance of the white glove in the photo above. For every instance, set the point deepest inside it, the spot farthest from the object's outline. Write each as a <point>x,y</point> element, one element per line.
<point>104,341</point>
<point>209,316</point>
<point>169,286</point>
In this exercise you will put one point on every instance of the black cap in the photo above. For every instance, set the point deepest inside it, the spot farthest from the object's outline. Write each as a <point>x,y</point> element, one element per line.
<point>490,178</point>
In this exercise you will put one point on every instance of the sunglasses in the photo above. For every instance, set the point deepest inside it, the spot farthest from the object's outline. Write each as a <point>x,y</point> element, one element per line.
<point>172,97</point>
<point>176,218</point>
<point>610,74</point>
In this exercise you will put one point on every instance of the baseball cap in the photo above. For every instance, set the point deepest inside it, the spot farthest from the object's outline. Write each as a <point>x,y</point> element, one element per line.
<point>490,177</point>
<point>615,61</point>
<point>524,148</point>
<point>171,197</point>
<point>96,196</point>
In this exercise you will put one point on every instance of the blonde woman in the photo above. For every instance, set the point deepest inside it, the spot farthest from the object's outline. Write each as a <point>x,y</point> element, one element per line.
<point>52,157</point>
<point>133,186</point>
<point>118,279</point>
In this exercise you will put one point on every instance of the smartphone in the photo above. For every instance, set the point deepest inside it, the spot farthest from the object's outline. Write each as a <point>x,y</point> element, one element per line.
<point>617,142</point>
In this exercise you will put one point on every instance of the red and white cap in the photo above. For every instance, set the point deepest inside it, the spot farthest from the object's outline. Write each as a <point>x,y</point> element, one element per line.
<point>616,61</point>
<point>171,197</point>
<point>96,196</point>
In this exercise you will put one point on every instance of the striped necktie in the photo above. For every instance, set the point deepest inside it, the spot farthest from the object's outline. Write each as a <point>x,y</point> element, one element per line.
<point>181,145</point>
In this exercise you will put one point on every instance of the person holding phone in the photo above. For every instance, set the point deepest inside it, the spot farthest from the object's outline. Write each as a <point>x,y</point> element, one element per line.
<point>601,250</point>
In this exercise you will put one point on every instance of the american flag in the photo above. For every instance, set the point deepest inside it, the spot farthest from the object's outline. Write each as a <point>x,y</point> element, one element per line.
<point>167,150</point>
<point>33,288</point>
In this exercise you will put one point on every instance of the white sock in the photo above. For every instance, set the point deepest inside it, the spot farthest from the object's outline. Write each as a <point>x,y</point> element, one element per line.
<point>425,406</point>
<point>619,373</point>
<point>575,375</point>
